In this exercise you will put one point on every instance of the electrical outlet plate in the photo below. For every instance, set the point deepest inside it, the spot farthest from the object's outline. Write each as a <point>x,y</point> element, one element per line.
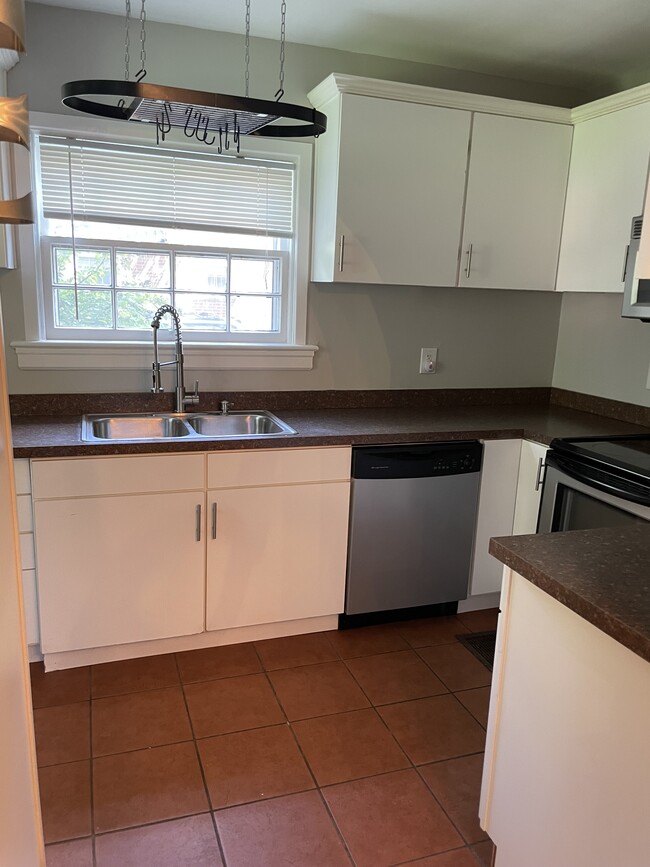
<point>428,360</point>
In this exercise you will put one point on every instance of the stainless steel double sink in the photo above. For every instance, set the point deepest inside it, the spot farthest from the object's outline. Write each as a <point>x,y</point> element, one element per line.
<point>183,426</point>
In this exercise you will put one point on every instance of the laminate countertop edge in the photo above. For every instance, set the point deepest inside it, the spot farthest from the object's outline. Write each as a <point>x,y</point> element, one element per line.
<point>602,575</point>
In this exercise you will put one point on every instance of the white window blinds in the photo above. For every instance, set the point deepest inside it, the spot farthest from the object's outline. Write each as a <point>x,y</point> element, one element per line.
<point>143,186</point>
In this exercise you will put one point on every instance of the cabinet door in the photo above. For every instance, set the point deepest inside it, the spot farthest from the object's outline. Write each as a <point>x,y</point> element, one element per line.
<point>496,509</point>
<point>401,183</point>
<point>276,553</point>
<point>609,165</point>
<point>529,486</point>
<point>112,570</point>
<point>515,201</point>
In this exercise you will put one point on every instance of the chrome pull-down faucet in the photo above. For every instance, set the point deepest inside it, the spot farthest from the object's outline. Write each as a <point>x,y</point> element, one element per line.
<point>183,399</point>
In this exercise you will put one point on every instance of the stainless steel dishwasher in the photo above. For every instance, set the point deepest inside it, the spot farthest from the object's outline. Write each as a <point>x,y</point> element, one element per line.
<point>412,521</point>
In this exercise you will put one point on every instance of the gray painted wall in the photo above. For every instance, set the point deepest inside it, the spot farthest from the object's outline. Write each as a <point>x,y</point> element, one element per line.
<point>600,353</point>
<point>370,337</point>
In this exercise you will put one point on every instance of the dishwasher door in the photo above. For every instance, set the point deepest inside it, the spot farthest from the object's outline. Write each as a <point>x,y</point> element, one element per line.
<point>411,540</point>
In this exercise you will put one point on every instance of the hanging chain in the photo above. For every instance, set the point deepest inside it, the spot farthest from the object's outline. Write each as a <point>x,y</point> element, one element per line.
<point>247,76</point>
<point>283,17</point>
<point>127,41</point>
<point>143,38</point>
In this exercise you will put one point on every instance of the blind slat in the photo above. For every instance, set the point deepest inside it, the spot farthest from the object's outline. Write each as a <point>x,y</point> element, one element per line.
<point>165,189</point>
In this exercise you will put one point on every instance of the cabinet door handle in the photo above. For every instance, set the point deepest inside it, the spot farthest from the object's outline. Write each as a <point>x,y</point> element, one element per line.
<point>341,251</point>
<point>214,520</point>
<point>468,265</point>
<point>627,254</point>
<point>540,476</point>
<point>199,509</point>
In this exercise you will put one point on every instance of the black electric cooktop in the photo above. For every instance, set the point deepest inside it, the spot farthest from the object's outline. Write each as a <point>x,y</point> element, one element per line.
<point>629,454</point>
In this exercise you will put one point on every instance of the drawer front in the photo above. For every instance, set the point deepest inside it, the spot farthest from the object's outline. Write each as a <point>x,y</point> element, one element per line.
<point>278,467</point>
<point>83,477</point>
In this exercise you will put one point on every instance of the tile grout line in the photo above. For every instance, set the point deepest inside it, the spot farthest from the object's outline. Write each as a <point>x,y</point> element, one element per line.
<point>222,853</point>
<point>92,766</point>
<point>346,848</point>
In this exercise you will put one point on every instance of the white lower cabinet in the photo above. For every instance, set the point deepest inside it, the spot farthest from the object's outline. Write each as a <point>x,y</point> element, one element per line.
<point>122,543</point>
<point>496,509</point>
<point>117,569</point>
<point>529,486</point>
<point>278,553</point>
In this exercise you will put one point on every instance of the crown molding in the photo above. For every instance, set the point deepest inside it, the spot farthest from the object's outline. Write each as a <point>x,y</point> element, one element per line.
<point>609,104</point>
<point>337,83</point>
<point>8,59</point>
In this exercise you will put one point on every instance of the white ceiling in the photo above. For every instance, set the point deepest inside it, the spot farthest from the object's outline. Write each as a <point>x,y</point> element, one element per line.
<point>598,43</point>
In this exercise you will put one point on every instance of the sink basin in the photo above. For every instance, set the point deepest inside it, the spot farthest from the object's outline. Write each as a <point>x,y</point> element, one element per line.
<point>168,426</point>
<point>238,424</point>
<point>134,427</point>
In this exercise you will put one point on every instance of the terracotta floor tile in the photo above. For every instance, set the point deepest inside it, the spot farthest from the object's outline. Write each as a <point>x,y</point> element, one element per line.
<point>389,819</point>
<point>456,784</point>
<point>455,858</point>
<point>62,733</point>
<point>296,829</point>
<point>315,690</point>
<point>134,675</point>
<point>366,641</point>
<point>456,667</point>
<point>392,677</point>
<point>189,842</point>
<point>295,650</point>
<point>59,687</point>
<point>477,702</point>
<point>433,729</point>
<point>74,853</point>
<point>251,765</point>
<point>211,663</point>
<point>232,704</point>
<point>483,853</point>
<point>147,786</point>
<point>65,801</point>
<point>346,746</point>
<point>138,720</point>
<point>480,621</point>
<point>431,631</point>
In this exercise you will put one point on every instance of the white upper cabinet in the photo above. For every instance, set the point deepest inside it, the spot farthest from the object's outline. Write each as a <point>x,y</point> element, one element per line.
<point>609,166</point>
<point>515,201</point>
<point>390,183</point>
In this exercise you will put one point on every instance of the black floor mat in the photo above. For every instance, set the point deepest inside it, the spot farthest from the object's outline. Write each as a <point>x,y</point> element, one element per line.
<point>481,644</point>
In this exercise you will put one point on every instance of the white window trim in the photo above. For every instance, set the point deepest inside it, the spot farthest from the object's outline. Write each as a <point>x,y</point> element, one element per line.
<point>38,353</point>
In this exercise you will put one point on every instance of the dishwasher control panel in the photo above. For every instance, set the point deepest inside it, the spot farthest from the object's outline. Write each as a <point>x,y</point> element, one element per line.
<point>416,461</point>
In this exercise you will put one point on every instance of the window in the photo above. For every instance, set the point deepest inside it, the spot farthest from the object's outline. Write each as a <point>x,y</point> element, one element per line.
<point>215,236</point>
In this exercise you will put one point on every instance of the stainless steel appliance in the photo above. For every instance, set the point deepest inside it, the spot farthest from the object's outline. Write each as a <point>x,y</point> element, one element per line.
<point>593,482</point>
<point>413,514</point>
<point>636,290</point>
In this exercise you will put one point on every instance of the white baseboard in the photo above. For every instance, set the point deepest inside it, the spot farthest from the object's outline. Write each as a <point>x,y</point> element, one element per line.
<point>96,655</point>
<point>478,603</point>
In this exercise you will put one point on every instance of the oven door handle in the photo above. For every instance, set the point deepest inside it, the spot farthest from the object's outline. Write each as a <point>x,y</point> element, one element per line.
<point>633,493</point>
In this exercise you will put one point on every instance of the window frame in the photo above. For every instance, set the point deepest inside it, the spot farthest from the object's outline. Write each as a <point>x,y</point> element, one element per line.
<point>55,332</point>
<point>38,350</point>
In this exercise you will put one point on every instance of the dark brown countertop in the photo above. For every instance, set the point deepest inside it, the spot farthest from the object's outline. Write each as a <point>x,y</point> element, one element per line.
<point>602,575</point>
<point>60,436</point>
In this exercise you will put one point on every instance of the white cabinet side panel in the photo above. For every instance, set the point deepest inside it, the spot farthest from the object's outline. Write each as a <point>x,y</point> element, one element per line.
<point>496,509</point>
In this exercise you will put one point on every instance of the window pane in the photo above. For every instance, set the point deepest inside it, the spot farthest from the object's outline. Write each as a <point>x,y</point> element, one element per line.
<point>93,267</point>
<point>253,275</point>
<point>142,270</point>
<point>136,309</point>
<point>201,312</point>
<point>201,273</point>
<point>254,313</point>
<point>95,308</point>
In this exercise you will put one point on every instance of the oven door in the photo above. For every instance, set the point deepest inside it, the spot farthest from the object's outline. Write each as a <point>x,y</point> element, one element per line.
<point>571,500</point>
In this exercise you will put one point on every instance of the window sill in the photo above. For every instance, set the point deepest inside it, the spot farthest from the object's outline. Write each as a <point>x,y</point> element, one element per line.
<point>86,355</point>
